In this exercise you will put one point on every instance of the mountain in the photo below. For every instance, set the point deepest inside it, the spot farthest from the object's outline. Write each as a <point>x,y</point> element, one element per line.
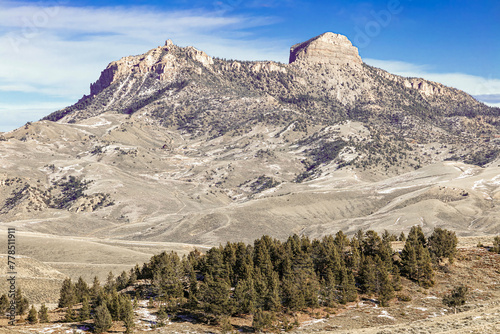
<point>175,145</point>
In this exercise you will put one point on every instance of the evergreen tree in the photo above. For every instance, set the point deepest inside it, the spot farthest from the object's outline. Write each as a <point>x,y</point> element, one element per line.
<point>167,276</point>
<point>162,316</point>
<point>409,260</point>
<point>354,259</point>
<point>128,317</point>
<point>81,290</point>
<point>243,267</point>
<point>84,313</point>
<point>396,279</point>
<point>70,315</point>
<point>67,294</point>
<point>384,286</point>
<point>114,306</point>
<point>261,289</point>
<point>102,319</point>
<point>262,320</point>
<point>443,244</point>
<point>96,288</point>
<point>32,315</point>
<point>416,259</point>
<point>341,241</point>
<point>425,271</point>
<point>402,237</point>
<point>262,258</point>
<point>193,289</point>
<point>347,287</point>
<point>110,282</point>
<point>132,279</point>
<point>273,302</point>
<point>122,281</point>
<point>244,295</point>
<point>457,297</point>
<point>214,294</point>
<point>4,304</point>
<point>367,276</point>
<point>496,245</point>
<point>43,314</point>
<point>22,302</point>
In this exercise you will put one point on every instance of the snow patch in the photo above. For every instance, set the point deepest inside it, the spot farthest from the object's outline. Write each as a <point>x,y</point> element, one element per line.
<point>385,314</point>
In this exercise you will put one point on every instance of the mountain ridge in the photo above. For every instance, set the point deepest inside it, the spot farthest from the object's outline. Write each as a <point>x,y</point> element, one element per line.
<point>174,145</point>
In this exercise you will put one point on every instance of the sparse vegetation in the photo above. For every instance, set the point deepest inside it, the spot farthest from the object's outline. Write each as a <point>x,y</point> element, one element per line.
<point>457,297</point>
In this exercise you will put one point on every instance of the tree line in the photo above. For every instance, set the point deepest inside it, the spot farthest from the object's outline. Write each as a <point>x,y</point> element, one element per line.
<point>267,279</point>
<point>272,277</point>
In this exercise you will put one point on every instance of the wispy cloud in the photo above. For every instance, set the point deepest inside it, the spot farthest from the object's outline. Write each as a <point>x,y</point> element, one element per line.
<point>484,89</point>
<point>59,50</point>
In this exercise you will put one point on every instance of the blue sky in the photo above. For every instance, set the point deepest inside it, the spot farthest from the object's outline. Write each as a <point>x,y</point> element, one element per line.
<point>52,50</point>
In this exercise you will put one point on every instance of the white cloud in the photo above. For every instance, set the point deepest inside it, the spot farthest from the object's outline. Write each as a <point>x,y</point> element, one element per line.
<point>60,50</point>
<point>482,88</point>
<point>16,115</point>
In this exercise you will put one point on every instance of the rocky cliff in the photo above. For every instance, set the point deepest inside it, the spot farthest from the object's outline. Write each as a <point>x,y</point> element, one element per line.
<point>328,48</point>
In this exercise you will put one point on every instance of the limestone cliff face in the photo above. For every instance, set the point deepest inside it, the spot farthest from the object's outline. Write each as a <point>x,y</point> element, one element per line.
<point>328,48</point>
<point>164,61</point>
<point>326,80</point>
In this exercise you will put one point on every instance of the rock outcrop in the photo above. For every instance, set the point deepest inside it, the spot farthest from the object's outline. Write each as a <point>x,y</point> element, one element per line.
<point>327,48</point>
<point>164,61</point>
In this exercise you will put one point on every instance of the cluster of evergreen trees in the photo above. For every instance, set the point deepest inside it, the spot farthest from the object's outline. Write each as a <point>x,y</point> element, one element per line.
<point>273,276</point>
<point>103,304</point>
<point>265,279</point>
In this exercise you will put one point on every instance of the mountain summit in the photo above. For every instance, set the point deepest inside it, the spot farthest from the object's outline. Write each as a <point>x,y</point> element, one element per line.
<point>327,48</point>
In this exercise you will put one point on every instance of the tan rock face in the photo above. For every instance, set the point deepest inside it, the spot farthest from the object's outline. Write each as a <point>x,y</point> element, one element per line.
<point>164,61</point>
<point>328,48</point>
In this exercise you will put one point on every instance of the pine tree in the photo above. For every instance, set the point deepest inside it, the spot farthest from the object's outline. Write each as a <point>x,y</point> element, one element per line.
<point>457,297</point>
<point>102,319</point>
<point>443,244</point>
<point>70,315</point>
<point>347,287</point>
<point>67,294</point>
<point>81,290</point>
<point>273,301</point>
<point>402,237</point>
<point>43,314</point>
<point>262,320</point>
<point>84,313</point>
<point>32,315</point>
<point>122,281</point>
<point>426,273</point>
<point>367,276</point>
<point>128,317</point>
<point>4,304</point>
<point>409,260</point>
<point>132,278</point>
<point>96,288</point>
<point>110,282</point>
<point>354,258</point>
<point>385,288</point>
<point>22,302</point>
<point>162,316</point>
<point>244,295</point>
<point>214,294</point>
<point>396,279</point>
<point>193,289</point>
<point>496,245</point>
